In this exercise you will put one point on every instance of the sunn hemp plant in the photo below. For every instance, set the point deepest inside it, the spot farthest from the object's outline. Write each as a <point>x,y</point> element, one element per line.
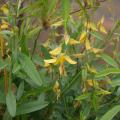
<point>55,62</point>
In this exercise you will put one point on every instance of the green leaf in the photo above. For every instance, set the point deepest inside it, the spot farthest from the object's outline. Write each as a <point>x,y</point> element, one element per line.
<point>111,113</point>
<point>11,103</point>
<point>83,8</point>
<point>2,97</point>
<point>30,69</point>
<point>20,90</point>
<point>71,83</point>
<point>51,6</point>
<point>83,96</point>
<point>97,35</point>
<point>111,33</point>
<point>107,71</point>
<point>65,11</point>
<point>38,60</point>
<point>31,107</point>
<point>6,116</point>
<point>115,82</point>
<point>16,68</point>
<point>109,60</point>
<point>45,52</point>
<point>33,33</point>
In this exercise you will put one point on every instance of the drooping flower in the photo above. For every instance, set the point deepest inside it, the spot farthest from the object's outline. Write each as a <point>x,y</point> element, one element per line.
<point>5,9</point>
<point>56,89</point>
<point>83,37</point>
<point>59,58</point>
<point>91,26</point>
<point>101,27</point>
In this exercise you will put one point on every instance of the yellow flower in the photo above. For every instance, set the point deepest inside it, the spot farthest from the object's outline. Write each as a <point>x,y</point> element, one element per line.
<point>90,25</point>
<point>62,70</point>
<point>49,61</point>
<point>62,58</point>
<point>5,9</point>
<point>79,55</point>
<point>101,27</point>
<point>92,83</point>
<point>83,37</point>
<point>69,60</point>
<point>56,89</point>
<point>73,42</point>
<point>96,50</point>
<point>56,51</point>
<point>91,69</point>
<point>59,58</point>
<point>87,44</point>
<point>4,25</point>
<point>57,24</point>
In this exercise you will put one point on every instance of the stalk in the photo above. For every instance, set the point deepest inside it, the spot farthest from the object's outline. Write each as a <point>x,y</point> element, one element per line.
<point>5,70</point>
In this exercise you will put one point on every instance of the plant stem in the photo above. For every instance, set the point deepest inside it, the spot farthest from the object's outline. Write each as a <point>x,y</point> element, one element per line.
<point>5,70</point>
<point>35,43</point>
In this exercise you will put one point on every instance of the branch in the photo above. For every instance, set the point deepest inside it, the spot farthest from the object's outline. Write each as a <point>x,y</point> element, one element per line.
<point>86,7</point>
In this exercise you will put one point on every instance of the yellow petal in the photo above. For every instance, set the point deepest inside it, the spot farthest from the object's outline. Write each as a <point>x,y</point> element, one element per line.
<point>50,61</point>
<point>79,55</point>
<point>60,59</point>
<point>90,25</point>
<point>46,64</point>
<point>93,27</point>
<point>87,25</point>
<point>102,20</point>
<point>57,24</point>
<point>103,92</point>
<point>69,60</point>
<point>62,70</point>
<point>73,42</point>
<point>4,26</point>
<point>83,36</point>
<point>87,44</point>
<point>91,69</point>
<point>56,89</point>
<point>96,50</point>
<point>46,43</point>
<point>102,29</point>
<point>4,9</point>
<point>56,86</point>
<point>56,51</point>
<point>92,82</point>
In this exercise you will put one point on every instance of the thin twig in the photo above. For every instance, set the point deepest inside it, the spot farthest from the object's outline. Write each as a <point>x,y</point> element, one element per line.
<point>35,43</point>
<point>5,70</point>
<point>77,11</point>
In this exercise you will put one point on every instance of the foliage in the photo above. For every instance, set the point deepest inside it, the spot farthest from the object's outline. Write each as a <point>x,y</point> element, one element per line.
<point>70,75</point>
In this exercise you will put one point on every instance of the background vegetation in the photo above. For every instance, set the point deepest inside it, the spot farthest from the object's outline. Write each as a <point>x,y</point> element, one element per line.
<point>70,73</point>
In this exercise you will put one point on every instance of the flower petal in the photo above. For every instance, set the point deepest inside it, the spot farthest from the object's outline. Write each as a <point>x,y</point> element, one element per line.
<point>50,61</point>
<point>56,51</point>
<point>4,9</point>
<point>87,44</point>
<point>83,36</point>
<point>69,60</point>
<point>73,42</point>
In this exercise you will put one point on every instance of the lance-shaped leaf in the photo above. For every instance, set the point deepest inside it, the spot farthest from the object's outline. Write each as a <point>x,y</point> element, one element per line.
<point>11,103</point>
<point>30,69</point>
<point>31,107</point>
<point>107,71</point>
<point>111,113</point>
<point>65,10</point>
<point>109,60</point>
